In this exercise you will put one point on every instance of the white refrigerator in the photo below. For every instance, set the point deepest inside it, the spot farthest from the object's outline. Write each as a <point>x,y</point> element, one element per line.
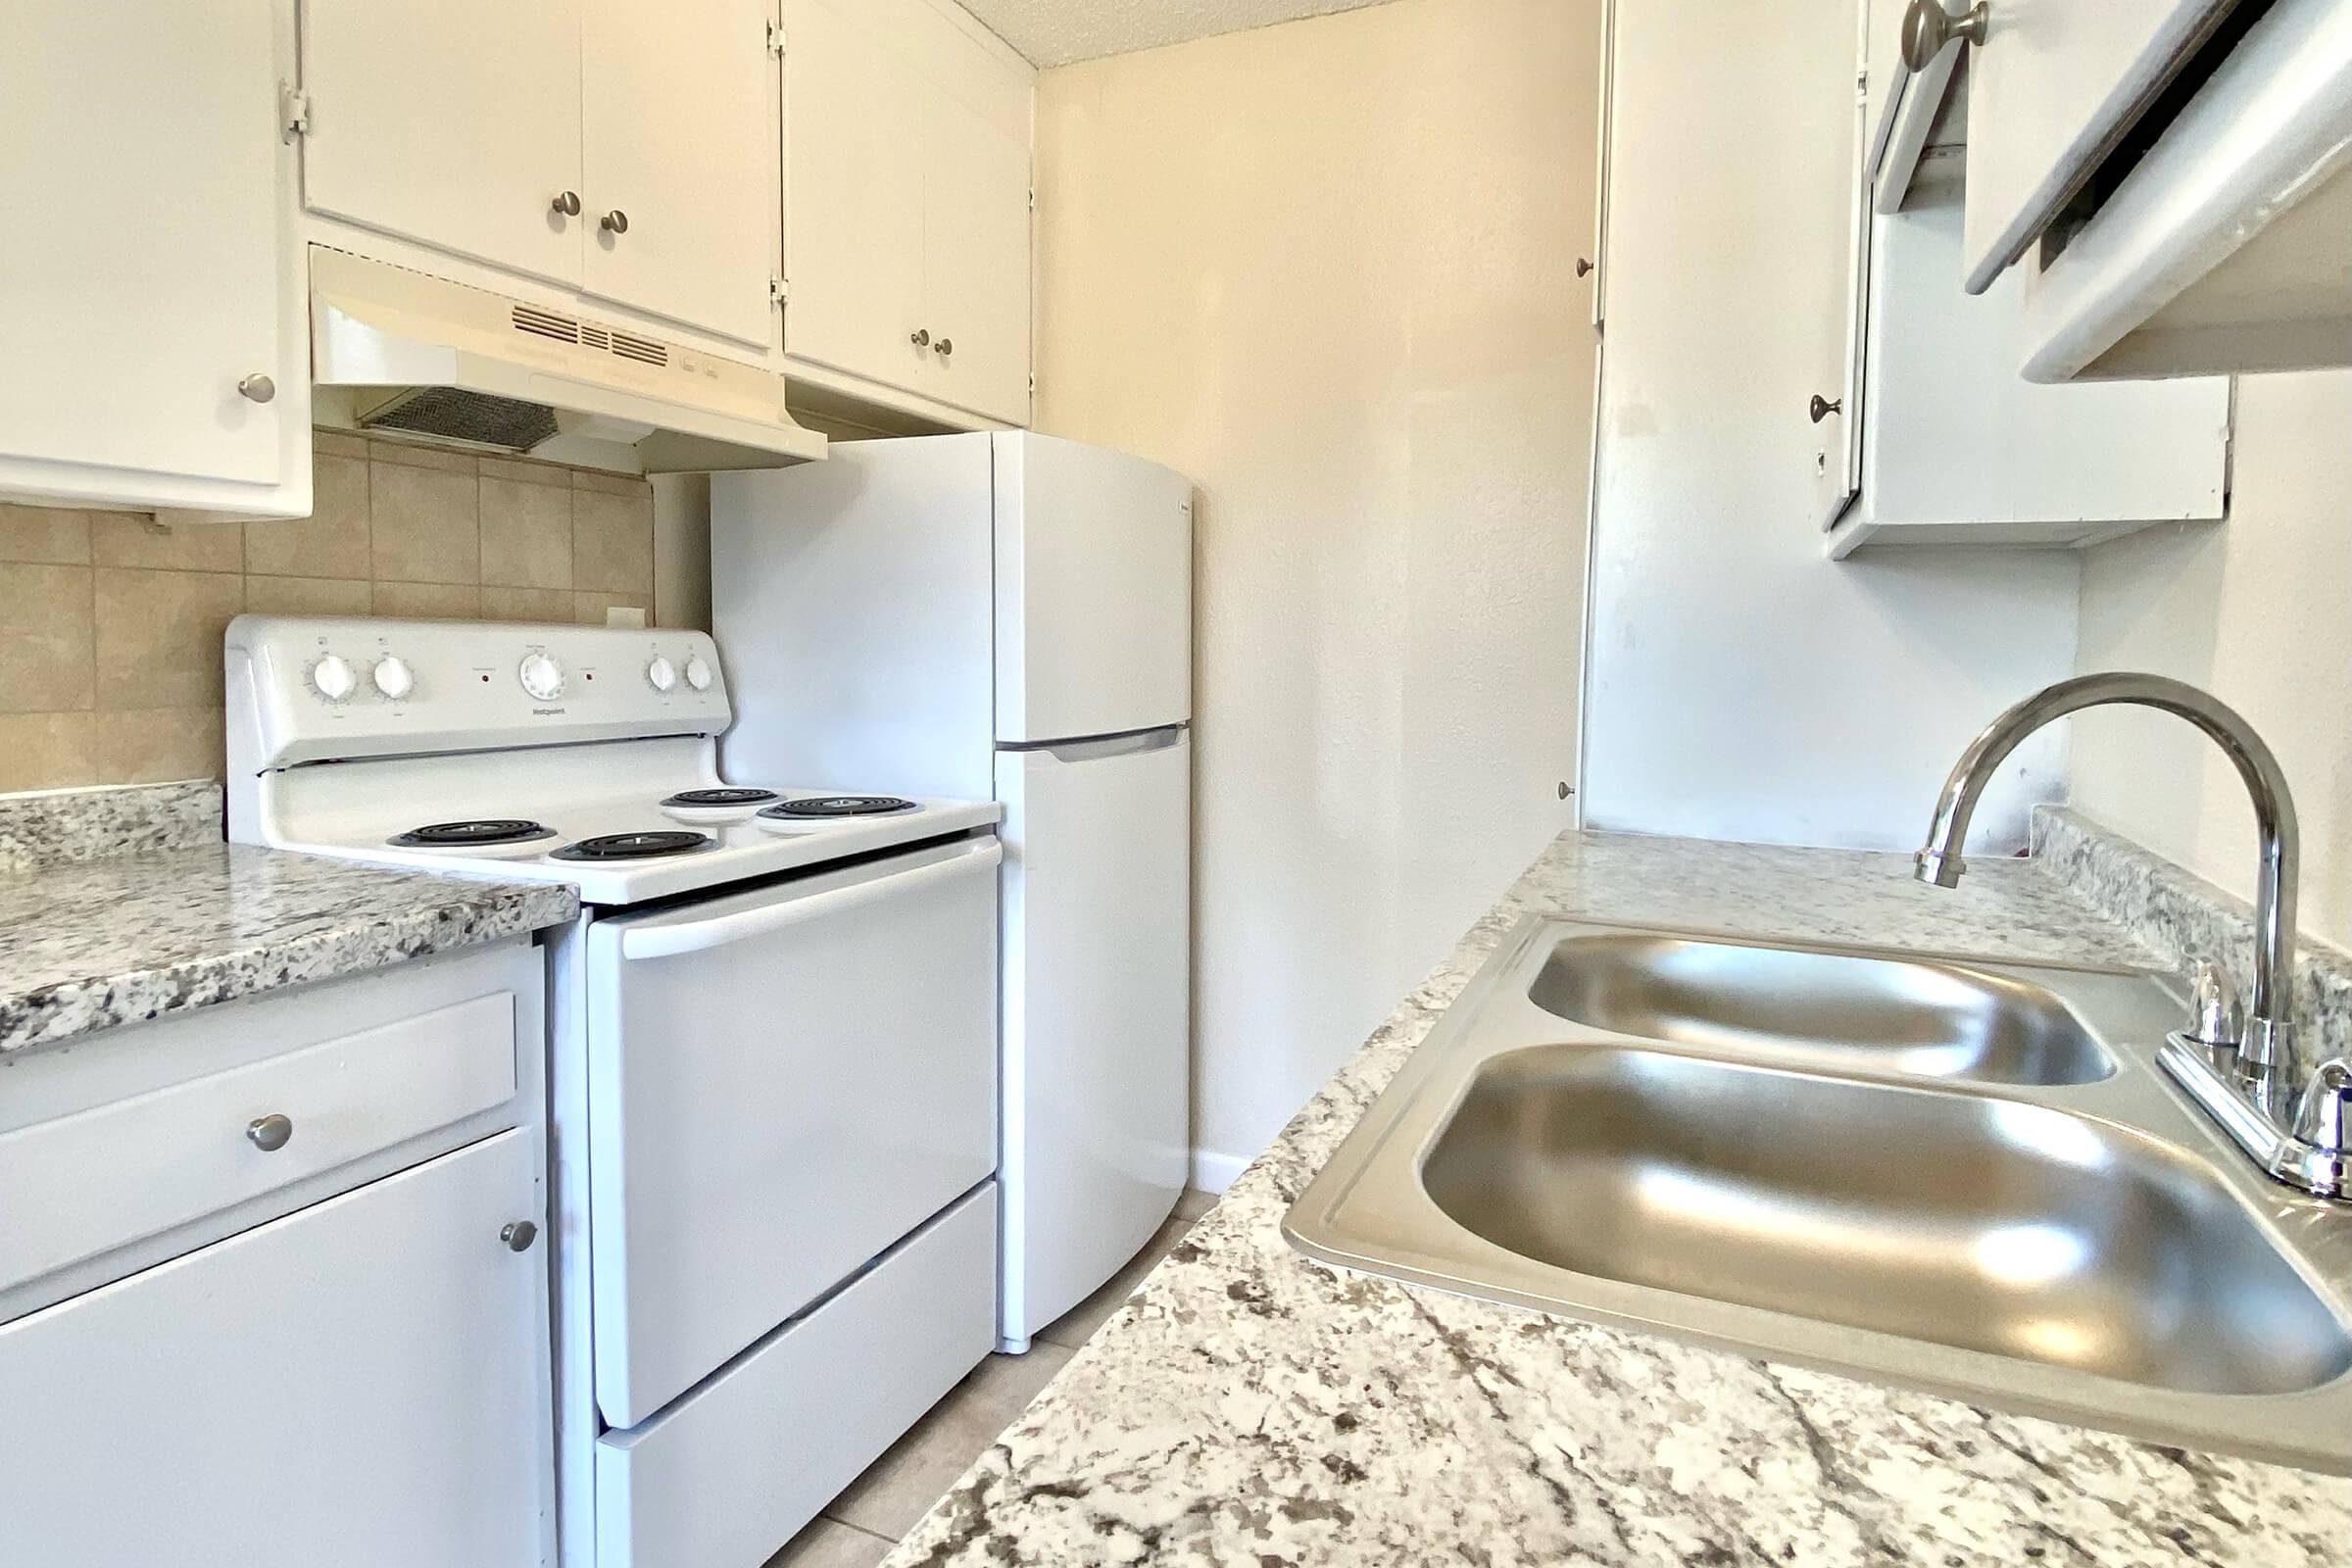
<point>1005,614</point>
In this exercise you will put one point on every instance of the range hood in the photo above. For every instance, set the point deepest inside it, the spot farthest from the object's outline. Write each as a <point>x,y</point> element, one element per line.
<point>400,351</point>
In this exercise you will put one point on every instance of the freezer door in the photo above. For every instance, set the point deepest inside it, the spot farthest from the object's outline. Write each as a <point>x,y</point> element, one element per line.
<point>853,607</point>
<point>1094,591</point>
<point>782,1083</point>
<point>1098,1028</point>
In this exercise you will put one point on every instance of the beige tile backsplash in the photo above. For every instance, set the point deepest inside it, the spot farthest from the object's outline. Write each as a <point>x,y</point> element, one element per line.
<point>110,625</point>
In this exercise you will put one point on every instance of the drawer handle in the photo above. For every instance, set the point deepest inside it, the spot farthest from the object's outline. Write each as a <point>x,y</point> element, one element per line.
<point>519,1235</point>
<point>269,1133</point>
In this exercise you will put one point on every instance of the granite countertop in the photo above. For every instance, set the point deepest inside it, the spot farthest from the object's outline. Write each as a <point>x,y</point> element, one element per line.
<point>95,942</point>
<point>1251,1406</point>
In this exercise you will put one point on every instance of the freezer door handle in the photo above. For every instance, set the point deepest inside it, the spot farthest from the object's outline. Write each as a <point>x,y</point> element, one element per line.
<point>1126,744</point>
<point>698,936</point>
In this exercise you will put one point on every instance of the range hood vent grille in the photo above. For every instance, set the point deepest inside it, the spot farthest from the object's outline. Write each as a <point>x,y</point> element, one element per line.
<point>644,350</point>
<point>457,414</point>
<point>545,324</point>
<point>588,334</point>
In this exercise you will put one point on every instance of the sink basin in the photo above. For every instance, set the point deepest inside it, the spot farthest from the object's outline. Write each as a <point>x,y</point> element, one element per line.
<point>1906,1015</point>
<point>1966,1175</point>
<point>1974,1223</point>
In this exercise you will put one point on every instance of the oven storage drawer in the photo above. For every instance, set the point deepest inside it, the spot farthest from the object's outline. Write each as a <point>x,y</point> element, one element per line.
<point>137,1167</point>
<point>784,1429</point>
<point>782,1083</point>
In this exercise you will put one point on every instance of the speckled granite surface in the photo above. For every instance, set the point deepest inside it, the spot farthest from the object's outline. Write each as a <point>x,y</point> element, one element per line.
<point>2184,918</point>
<point>86,947</point>
<point>1251,1406</point>
<point>62,828</point>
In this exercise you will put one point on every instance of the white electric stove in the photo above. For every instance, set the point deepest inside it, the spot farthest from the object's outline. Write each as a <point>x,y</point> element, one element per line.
<point>772,1056</point>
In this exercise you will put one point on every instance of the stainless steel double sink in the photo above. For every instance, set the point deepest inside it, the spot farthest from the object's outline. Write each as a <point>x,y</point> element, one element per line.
<point>1956,1174</point>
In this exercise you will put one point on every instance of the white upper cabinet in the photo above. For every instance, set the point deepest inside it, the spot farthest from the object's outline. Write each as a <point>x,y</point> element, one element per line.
<point>1954,446</point>
<point>151,312</point>
<point>2051,91</point>
<point>853,141</point>
<point>976,263</point>
<point>2171,177</point>
<point>678,161</point>
<point>906,158</point>
<point>624,150</point>
<point>451,123</point>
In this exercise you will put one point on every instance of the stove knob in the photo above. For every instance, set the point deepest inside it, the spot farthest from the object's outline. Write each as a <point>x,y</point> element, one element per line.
<point>332,679</point>
<point>542,677</point>
<point>393,676</point>
<point>698,673</point>
<point>661,674</point>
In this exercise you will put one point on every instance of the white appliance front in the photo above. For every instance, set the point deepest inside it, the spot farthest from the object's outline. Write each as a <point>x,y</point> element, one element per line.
<point>856,598</point>
<point>782,1083</point>
<point>1098,992</point>
<point>1094,582</point>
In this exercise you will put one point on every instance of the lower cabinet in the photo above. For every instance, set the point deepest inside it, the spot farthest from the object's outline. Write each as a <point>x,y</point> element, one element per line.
<point>363,1383</point>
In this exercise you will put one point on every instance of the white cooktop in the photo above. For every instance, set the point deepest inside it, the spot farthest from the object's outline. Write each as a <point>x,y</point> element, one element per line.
<point>344,733</point>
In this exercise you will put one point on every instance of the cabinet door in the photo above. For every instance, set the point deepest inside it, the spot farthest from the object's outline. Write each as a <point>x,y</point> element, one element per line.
<point>363,1383</point>
<point>449,122</point>
<point>2049,91</point>
<point>145,275</point>
<point>678,142</point>
<point>976,262</point>
<point>853,150</point>
<point>1834,406</point>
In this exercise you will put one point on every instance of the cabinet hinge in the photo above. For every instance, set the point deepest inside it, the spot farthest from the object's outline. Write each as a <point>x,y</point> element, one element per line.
<point>1033,198</point>
<point>778,291</point>
<point>1033,383</point>
<point>775,40</point>
<point>293,111</point>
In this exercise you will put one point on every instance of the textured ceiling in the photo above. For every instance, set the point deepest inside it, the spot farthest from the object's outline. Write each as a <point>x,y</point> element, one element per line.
<point>1055,33</point>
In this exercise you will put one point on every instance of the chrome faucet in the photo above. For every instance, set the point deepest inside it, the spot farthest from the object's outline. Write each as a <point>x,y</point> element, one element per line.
<point>2255,1092</point>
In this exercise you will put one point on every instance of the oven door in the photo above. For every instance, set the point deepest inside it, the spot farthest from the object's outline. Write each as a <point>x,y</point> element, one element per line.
<point>782,1083</point>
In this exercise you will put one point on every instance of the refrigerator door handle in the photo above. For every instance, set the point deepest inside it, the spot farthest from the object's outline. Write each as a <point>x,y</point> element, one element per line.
<point>1126,744</point>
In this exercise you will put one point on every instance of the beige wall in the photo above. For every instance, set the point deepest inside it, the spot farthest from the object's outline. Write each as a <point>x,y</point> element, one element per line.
<point>110,625</point>
<point>1327,269</point>
<point>2259,612</point>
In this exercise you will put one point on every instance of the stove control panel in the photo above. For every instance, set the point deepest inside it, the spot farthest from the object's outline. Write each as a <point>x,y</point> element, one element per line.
<point>305,689</point>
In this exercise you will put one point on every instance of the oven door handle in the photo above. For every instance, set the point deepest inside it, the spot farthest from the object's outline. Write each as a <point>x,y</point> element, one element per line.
<point>698,936</point>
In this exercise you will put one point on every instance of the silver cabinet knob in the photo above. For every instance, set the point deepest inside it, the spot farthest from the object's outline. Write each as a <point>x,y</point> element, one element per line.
<point>519,1235</point>
<point>269,1133</point>
<point>567,203</point>
<point>1928,28</point>
<point>614,222</point>
<point>1822,407</point>
<point>946,348</point>
<point>259,387</point>
<point>920,337</point>
<point>1584,267</point>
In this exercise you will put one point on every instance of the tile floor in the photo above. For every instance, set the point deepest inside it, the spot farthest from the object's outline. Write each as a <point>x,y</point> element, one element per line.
<point>858,1528</point>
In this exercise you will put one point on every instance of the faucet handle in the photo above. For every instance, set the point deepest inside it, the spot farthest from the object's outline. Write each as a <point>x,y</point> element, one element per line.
<point>2216,1019</point>
<point>2323,1116</point>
